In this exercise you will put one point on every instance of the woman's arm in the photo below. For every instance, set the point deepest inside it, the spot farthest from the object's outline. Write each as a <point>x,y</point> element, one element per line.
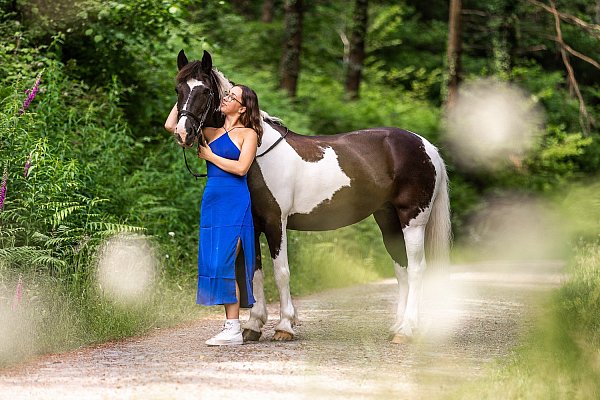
<point>240,166</point>
<point>171,122</point>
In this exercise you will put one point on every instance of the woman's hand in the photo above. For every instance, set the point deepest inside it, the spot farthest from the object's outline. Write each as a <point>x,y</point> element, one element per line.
<point>205,153</point>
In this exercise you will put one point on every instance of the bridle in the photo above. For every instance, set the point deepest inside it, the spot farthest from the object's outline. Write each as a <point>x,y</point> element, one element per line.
<point>197,129</point>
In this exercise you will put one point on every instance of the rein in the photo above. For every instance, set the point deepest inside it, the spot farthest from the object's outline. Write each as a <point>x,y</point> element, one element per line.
<point>274,144</point>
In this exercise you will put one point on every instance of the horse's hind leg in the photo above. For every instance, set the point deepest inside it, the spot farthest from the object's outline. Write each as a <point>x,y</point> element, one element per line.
<point>414,236</point>
<point>393,238</point>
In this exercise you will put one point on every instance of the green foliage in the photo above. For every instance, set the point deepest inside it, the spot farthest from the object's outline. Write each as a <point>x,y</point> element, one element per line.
<point>54,213</point>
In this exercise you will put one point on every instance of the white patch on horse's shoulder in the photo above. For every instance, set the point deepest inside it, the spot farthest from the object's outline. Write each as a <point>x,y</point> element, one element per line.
<point>299,186</point>
<point>318,182</point>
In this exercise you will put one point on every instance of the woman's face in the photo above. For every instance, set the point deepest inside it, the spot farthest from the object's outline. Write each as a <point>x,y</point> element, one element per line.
<point>232,102</point>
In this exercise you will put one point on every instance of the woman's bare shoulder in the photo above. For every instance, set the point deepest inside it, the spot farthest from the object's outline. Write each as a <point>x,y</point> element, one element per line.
<point>247,131</point>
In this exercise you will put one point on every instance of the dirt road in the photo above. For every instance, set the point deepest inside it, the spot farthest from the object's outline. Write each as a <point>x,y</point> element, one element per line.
<point>342,348</point>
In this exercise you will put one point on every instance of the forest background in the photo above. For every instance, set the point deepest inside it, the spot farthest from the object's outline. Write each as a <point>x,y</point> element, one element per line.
<point>85,88</point>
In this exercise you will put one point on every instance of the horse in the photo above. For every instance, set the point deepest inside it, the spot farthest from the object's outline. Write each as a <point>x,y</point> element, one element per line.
<point>313,183</point>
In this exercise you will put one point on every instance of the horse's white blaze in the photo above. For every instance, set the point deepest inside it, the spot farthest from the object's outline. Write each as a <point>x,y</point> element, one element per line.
<point>192,83</point>
<point>299,186</point>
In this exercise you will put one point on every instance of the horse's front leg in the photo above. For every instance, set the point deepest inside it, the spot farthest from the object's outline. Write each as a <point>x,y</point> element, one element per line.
<point>287,317</point>
<point>258,312</point>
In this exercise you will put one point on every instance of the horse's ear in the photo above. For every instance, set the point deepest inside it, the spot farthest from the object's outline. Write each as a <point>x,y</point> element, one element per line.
<point>206,62</point>
<point>181,60</point>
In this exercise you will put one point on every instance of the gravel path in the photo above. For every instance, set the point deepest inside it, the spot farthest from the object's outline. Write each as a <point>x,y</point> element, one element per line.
<point>342,349</point>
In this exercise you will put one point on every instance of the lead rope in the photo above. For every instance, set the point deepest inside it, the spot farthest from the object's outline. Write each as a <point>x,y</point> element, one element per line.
<point>189,169</point>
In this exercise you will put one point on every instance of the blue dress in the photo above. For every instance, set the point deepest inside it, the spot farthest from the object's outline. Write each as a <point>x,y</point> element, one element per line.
<point>225,217</point>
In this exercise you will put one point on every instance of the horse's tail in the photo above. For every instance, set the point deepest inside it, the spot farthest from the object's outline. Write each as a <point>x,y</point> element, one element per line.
<point>438,233</point>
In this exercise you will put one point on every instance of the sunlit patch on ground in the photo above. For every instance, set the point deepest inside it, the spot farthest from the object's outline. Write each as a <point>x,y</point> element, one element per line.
<point>126,268</point>
<point>492,124</point>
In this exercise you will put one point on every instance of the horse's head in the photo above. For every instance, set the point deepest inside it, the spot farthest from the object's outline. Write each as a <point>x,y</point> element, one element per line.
<point>197,97</point>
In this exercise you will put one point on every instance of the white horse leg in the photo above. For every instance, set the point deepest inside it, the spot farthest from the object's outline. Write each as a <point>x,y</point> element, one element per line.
<point>281,269</point>
<point>414,237</point>
<point>258,312</point>
<point>402,277</point>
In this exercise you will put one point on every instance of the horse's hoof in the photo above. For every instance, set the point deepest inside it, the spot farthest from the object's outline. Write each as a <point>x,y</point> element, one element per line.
<point>251,336</point>
<point>282,336</point>
<point>399,338</point>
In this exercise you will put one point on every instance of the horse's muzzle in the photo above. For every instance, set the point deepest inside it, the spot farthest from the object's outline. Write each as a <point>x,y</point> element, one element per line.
<point>184,139</point>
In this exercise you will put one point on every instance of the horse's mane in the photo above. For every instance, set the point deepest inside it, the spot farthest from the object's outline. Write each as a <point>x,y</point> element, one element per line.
<point>267,118</point>
<point>225,84</point>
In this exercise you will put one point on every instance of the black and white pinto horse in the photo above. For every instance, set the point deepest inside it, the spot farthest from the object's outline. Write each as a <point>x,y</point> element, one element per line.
<point>313,183</point>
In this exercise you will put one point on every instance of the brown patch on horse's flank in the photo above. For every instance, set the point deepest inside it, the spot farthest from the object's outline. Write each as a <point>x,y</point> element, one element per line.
<point>283,336</point>
<point>401,339</point>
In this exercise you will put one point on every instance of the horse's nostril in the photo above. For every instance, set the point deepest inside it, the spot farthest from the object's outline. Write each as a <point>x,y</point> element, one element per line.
<point>182,136</point>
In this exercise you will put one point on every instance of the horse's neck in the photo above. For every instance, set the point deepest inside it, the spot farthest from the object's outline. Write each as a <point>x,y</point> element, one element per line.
<point>216,120</point>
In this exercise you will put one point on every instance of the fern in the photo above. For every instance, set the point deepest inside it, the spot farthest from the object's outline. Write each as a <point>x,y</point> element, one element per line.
<point>112,228</point>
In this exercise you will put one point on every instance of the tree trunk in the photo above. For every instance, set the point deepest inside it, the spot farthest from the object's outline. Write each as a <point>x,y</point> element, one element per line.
<point>503,25</point>
<point>243,7</point>
<point>597,16</point>
<point>357,48</point>
<point>267,11</point>
<point>289,67</point>
<point>454,50</point>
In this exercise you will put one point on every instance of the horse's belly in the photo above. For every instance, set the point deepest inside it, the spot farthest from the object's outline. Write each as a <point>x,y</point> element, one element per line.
<point>334,220</point>
<point>346,207</point>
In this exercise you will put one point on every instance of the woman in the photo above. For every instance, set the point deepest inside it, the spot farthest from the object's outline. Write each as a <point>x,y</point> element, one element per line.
<point>226,227</point>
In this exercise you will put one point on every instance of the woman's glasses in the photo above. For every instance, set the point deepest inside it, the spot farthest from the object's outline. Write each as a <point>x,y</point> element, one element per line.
<point>229,96</point>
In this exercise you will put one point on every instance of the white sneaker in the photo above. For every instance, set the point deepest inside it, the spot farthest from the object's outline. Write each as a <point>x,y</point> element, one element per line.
<point>230,335</point>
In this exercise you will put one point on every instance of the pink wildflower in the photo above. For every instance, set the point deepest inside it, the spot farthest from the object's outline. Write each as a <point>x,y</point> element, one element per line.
<point>31,95</point>
<point>18,294</point>
<point>3,188</point>
<point>27,165</point>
